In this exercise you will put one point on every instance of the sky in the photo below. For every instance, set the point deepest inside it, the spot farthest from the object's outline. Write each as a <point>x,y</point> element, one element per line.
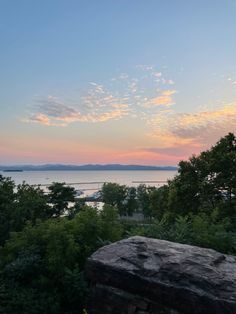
<point>147,82</point>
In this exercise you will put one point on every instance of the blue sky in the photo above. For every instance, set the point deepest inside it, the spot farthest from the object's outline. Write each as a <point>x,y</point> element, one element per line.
<point>129,81</point>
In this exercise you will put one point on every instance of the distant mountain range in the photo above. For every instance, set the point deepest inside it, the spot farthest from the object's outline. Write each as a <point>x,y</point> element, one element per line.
<point>58,167</point>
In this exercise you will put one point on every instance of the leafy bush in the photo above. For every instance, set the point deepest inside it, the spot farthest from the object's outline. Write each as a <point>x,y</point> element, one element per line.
<point>42,266</point>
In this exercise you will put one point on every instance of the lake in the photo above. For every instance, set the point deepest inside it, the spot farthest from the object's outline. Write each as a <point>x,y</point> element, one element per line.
<point>93,180</point>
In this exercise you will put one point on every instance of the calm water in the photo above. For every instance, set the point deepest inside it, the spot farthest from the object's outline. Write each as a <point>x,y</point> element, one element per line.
<point>88,180</point>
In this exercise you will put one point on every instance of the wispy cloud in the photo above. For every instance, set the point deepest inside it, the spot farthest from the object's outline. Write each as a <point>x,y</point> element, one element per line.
<point>97,105</point>
<point>59,115</point>
<point>163,99</point>
<point>38,118</point>
<point>123,95</point>
<point>196,130</point>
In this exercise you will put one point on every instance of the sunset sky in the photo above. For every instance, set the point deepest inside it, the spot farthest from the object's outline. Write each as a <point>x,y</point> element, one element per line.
<point>115,81</point>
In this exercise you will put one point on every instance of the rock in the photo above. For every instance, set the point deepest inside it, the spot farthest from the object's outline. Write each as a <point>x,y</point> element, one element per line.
<point>142,275</point>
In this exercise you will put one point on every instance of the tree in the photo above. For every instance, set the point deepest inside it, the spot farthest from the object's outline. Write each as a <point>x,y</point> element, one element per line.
<point>143,199</point>
<point>207,181</point>
<point>41,267</point>
<point>110,225</point>
<point>223,167</point>
<point>158,199</point>
<point>114,194</point>
<point>7,199</point>
<point>59,196</point>
<point>78,206</point>
<point>130,202</point>
<point>30,206</point>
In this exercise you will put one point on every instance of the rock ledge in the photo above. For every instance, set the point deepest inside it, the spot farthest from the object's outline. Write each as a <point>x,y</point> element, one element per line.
<point>149,276</point>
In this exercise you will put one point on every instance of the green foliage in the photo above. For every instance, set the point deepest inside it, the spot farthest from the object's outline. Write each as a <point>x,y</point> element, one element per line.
<point>59,196</point>
<point>127,200</point>
<point>47,261</point>
<point>78,206</point>
<point>7,198</point>
<point>116,195</point>
<point>207,181</point>
<point>110,226</point>
<point>143,200</point>
<point>30,206</point>
<point>199,230</point>
<point>130,201</point>
<point>159,201</point>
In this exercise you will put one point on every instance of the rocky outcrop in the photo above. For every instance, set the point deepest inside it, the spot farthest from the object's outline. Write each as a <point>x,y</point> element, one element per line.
<point>141,275</point>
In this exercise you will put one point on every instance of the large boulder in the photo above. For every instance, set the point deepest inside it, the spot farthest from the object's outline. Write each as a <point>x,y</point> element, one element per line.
<point>142,275</point>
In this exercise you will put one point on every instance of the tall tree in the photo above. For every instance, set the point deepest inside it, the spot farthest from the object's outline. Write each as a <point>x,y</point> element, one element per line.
<point>207,181</point>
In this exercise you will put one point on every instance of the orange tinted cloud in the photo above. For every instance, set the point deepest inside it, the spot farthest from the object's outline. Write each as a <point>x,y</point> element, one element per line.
<point>163,99</point>
<point>197,130</point>
<point>38,118</point>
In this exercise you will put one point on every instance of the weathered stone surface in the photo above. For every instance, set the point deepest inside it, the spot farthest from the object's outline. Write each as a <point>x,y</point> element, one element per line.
<point>141,275</point>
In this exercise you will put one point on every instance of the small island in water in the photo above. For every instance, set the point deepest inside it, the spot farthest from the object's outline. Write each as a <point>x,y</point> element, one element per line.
<point>12,170</point>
